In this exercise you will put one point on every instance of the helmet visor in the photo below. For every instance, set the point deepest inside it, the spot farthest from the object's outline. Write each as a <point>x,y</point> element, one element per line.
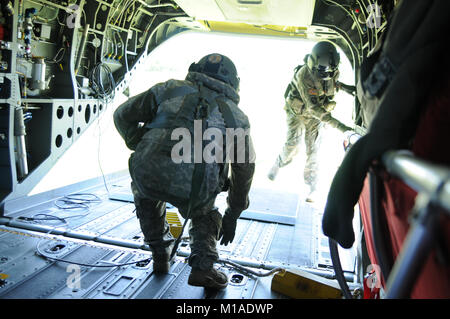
<point>325,72</point>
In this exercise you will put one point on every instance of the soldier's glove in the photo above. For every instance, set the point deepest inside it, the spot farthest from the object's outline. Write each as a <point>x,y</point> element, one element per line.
<point>350,89</point>
<point>228,230</point>
<point>343,128</point>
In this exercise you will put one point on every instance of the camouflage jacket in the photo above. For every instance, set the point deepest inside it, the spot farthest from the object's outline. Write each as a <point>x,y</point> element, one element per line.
<point>155,165</point>
<point>314,97</point>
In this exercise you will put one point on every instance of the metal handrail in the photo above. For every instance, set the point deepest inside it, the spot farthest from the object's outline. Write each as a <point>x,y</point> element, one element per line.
<point>432,183</point>
<point>422,176</point>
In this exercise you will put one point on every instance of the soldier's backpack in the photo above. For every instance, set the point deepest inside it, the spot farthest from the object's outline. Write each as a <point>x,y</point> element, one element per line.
<point>291,89</point>
<point>189,183</point>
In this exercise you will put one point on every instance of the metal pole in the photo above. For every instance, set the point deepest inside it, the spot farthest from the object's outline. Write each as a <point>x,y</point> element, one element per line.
<point>422,176</point>
<point>19,136</point>
<point>11,222</point>
<point>432,182</point>
<point>82,47</point>
<point>417,245</point>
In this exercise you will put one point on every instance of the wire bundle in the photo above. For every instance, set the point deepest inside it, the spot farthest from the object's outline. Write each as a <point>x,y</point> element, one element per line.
<point>102,81</point>
<point>77,201</point>
<point>43,217</point>
<point>27,117</point>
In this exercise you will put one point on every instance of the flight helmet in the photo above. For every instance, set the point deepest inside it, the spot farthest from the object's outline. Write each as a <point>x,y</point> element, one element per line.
<point>323,60</point>
<point>218,67</point>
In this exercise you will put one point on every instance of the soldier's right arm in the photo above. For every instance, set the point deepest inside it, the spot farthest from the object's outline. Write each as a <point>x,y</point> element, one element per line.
<point>240,183</point>
<point>241,179</point>
<point>137,109</point>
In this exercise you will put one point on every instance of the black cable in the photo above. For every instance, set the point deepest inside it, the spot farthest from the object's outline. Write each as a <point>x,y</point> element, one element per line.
<point>103,90</point>
<point>68,202</point>
<point>81,197</point>
<point>77,201</point>
<point>45,217</point>
<point>334,253</point>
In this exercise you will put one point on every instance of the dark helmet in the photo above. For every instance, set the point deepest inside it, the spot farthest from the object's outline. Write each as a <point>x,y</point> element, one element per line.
<point>324,60</point>
<point>219,67</point>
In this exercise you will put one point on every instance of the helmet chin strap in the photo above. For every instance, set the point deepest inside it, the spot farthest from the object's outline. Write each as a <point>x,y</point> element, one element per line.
<point>326,78</point>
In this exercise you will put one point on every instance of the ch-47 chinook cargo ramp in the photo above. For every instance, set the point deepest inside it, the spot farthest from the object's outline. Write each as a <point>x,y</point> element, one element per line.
<point>63,63</point>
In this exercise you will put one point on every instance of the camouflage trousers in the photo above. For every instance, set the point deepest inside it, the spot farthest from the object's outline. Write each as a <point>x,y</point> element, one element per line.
<point>205,225</point>
<point>299,126</point>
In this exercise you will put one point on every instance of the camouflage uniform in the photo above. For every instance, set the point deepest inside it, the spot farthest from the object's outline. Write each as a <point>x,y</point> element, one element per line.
<point>157,179</point>
<point>308,105</point>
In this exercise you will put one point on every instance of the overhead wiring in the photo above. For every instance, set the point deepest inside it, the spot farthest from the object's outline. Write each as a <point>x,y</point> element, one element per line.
<point>58,56</point>
<point>102,81</point>
<point>346,38</point>
<point>350,14</point>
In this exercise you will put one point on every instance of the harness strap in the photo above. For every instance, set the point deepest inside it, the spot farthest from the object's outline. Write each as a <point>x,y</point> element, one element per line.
<point>206,103</point>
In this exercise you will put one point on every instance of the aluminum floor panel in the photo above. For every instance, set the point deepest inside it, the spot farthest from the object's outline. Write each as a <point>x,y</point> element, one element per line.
<point>47,281</point>
<point>258,244</point>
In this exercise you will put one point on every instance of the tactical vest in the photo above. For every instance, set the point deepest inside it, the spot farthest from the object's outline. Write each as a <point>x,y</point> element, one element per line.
<point>191,184</point>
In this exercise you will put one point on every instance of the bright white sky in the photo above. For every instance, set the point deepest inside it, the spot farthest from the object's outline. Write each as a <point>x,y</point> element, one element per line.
<point>265,66</point>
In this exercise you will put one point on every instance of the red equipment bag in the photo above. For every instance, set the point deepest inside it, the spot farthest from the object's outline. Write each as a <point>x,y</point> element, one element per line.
<point>397,200</point>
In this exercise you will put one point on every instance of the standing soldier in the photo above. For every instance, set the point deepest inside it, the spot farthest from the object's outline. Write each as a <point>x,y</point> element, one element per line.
<point>309,101</point>
<point>209,94</point>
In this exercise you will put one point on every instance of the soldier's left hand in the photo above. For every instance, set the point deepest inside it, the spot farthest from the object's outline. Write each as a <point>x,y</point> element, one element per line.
<point>228,229</point>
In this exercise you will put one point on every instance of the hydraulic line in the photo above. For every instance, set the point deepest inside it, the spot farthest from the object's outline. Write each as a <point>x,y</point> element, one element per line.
<point>82,48</point>
<point>338,269</point>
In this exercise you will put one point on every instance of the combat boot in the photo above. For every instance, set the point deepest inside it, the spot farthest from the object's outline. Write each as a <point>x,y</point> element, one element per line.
<point>161,260</point>
<point>273,172</point>
<point>312,197</point>
<point>161,264</point>
<point>210,278</point>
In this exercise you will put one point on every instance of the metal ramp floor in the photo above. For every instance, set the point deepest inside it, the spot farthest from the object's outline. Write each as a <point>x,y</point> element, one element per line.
<point>92,233</point>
